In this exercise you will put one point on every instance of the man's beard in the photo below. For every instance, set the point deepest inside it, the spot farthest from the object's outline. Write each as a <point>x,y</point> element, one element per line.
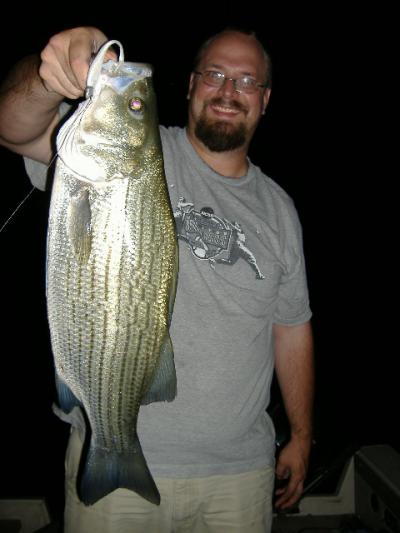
<point>220,136</point>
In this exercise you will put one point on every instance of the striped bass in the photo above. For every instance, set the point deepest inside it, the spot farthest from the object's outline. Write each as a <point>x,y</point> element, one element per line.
<point>111,272</point>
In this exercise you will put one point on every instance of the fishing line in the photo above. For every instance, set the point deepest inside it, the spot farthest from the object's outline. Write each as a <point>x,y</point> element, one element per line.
<point>94,73</point>
<point>24,199</point>
<point>78,118</point>
<point>16,209</point>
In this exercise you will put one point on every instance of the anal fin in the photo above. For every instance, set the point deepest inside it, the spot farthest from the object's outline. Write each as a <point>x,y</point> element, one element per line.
<point>163,385</point>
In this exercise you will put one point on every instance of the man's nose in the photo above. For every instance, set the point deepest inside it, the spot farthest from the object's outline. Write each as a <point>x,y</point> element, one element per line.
<point>228,87</point>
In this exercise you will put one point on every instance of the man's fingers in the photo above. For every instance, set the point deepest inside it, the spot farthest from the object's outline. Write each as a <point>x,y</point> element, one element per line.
<point>54,80</point>
<point>55,69</point>
<point>289,494</point>
<point>81,51</point>
<point>66,60</point>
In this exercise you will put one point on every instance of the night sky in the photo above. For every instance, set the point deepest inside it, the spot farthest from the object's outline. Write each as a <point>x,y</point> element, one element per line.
<point>319,140</point>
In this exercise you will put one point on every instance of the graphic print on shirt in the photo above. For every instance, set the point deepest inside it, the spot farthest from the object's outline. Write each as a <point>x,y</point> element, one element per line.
<point>212,238</point>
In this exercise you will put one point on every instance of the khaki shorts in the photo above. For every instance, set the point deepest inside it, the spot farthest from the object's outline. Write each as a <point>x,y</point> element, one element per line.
<point>215,504</point>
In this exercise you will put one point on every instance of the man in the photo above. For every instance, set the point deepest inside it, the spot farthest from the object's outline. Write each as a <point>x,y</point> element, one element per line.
<point>211,450</point>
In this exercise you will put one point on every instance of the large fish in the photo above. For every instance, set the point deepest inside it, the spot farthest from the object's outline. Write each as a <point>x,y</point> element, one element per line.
<point>111,272</point>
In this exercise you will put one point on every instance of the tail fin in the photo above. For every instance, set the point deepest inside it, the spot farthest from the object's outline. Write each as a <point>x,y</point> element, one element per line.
<point>106,471</point>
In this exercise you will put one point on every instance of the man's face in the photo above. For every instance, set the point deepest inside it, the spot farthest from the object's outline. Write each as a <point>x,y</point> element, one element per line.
<point>221,117</point>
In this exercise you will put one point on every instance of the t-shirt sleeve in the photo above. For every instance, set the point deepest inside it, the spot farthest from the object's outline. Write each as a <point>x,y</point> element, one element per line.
<point>38,172</point>
<point>293,306</point>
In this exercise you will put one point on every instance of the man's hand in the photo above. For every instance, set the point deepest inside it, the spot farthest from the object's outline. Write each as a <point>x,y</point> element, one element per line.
<point>32,92</point>
<point>66,58</point>
<point>292,466</point>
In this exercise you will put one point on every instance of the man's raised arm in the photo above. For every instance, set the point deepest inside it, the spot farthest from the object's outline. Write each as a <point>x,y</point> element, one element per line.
<point>31,94</point>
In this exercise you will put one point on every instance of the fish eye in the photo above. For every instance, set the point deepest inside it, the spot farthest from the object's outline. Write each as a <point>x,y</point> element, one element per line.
<point>136,105</point>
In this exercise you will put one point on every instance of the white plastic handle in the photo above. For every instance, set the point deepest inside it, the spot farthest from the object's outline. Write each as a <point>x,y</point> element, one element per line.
<point>97,63</point>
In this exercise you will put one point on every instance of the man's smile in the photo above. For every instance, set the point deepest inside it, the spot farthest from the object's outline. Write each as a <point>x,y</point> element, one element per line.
<point>231,108</point>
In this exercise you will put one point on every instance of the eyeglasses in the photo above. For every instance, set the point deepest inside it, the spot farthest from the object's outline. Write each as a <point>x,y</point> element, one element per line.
<point>214,78</point>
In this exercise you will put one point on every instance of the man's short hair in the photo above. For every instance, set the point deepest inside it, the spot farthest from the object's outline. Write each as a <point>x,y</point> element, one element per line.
<point>249,33</point>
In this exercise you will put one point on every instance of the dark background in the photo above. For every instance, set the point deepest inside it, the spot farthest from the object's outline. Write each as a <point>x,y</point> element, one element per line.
<point>320,140</point>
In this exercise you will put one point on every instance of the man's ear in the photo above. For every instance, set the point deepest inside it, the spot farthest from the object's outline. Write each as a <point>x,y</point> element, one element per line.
<point>267,94</point>
<point>191,83</point>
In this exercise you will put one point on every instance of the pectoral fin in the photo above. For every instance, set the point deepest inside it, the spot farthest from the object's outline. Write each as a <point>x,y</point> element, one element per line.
<point>79,225</point>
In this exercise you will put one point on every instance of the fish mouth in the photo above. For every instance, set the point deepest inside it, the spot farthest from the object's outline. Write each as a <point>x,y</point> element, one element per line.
<point>109,148</point>
<point>121,144</point>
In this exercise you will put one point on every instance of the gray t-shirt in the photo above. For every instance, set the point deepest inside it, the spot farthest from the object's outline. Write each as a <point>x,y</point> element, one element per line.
<point>241,269</point>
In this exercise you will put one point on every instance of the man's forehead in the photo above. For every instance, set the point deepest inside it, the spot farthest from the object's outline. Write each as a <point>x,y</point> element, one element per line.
<point>233,47</point>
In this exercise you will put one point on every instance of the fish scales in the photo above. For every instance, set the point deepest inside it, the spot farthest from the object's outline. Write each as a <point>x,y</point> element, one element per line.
<point>111,274</point>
